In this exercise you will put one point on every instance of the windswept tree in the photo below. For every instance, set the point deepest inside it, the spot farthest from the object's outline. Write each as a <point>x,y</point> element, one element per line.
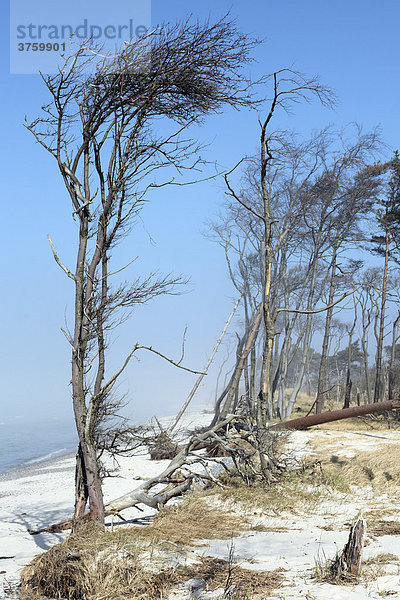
<point>299,210</point>
<point>112,125</point>
<point>386,243</point>
<point>349,192</point>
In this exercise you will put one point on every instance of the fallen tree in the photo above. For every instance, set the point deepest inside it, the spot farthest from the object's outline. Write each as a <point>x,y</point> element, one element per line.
<point>178,477</point>
<point>338,415</point>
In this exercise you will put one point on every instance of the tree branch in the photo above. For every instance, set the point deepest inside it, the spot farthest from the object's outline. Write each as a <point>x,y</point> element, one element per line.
<point>318,310</point>
<point>58,261</point>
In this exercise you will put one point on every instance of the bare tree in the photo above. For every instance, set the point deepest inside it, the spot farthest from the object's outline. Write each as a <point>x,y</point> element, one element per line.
<point>102,130</point>
<point>386,244</point>
<point>367,300</point>
<point>349,382</point>
<point>303,205</point>
<point>286,183</point>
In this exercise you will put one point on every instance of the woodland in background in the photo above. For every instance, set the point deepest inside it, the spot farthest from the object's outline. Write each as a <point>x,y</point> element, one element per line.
<point>334,318</point>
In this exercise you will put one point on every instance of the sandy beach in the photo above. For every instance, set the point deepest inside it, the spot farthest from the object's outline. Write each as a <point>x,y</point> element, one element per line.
<point>34,496</point>
<point>31,497</point>
<point>42,493</point>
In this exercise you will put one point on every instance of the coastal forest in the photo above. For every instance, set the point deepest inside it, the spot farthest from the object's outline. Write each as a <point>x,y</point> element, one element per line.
<point>309,228</point>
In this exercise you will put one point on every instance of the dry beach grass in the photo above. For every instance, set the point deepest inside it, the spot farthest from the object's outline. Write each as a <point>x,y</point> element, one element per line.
<point>133,563</point>
<point>278,531</point>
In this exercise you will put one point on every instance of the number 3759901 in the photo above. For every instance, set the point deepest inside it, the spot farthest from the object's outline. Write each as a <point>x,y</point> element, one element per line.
<point>41,47</point>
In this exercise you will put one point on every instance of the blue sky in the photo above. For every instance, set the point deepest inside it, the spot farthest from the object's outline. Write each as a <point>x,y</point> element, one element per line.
<point>352,46</point>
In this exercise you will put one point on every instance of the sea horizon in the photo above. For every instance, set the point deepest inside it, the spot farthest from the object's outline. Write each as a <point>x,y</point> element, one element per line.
<point>24,441</point>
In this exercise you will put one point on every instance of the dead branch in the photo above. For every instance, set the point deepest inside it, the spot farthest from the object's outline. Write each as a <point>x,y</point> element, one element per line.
<point>58,261</point>
<point>141,494</point>
<point>170,360</point>
<point>174,486</point>
<point>200,379</point>
<point>317,310</point>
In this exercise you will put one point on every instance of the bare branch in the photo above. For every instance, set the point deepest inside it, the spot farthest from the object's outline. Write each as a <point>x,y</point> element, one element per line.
<point>176,364</point>
<point>58,261</point>
<point>318,310</point>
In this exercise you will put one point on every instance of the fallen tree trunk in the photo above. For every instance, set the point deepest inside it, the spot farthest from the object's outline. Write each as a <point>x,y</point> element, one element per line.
<point>142,494</point>
<point>176,484</point>
<point>338,415</point>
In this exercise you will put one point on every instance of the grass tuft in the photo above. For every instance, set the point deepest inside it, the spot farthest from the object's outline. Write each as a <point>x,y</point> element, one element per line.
<point>94,564</point>
<point>293,491</point>
<point>378,467</point>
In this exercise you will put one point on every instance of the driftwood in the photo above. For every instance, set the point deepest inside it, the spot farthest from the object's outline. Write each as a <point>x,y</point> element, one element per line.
<point>141,494</point>
<point>338,415</point>
<point>177,484</point>
<point>177,478</point>
<point>349,561</point>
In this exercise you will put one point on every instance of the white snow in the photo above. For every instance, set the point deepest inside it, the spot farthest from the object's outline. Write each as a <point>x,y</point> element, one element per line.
<point>43,493</point>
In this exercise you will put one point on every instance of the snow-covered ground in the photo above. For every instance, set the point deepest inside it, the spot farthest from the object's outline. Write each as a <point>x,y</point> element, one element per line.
<point>43,493</point>
<point>35,496</point>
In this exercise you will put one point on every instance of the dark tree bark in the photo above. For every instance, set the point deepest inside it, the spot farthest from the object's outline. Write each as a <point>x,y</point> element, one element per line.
<point>349,561</point>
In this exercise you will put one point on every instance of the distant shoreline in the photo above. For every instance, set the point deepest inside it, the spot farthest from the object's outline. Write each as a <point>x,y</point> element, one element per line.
<point>24,442</point>
<point>34,466</point>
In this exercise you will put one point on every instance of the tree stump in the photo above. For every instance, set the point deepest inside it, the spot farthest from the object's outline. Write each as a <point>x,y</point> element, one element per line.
<point>349,561</point>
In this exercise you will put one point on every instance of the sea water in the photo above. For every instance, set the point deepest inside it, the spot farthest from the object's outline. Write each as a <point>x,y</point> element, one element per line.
<point>24,441</point>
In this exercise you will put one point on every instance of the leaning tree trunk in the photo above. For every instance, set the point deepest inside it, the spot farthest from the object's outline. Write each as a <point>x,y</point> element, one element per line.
<point>87,472</point>
<point>246,372</point>
<point>322,378</point>
<point>228,387</point>
<point>253,375</point>
<point>234,382</point>
<point>393,358</point>
<point>378,392</point>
